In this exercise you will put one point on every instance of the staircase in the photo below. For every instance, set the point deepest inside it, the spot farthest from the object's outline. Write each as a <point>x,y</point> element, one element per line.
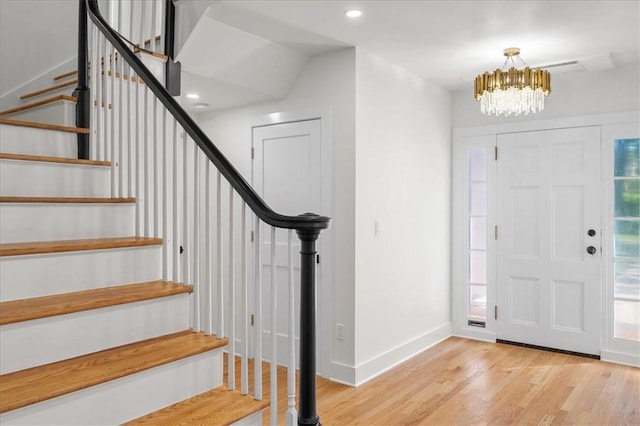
<point>126,277</point>
<point>89,333</point>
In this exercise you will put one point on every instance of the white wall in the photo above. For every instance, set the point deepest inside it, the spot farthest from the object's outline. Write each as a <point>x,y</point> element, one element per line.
<point>403,158</point>
<point>572,94</point>
<point>35,37</point>
<point>327,83</point>
<point>390,133</point>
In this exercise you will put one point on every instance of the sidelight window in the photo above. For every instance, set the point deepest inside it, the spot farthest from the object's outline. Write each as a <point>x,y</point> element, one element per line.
<point>626,236</point>
<point>477,242</point>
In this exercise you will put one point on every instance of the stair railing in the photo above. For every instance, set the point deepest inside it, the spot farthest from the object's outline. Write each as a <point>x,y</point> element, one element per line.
<point>162,158</point>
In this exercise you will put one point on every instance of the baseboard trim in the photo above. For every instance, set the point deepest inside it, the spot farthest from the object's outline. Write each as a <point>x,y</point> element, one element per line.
<point>386,361</point>
<point>481,335</point>
<point>632,360</point>
<point>342,373</point>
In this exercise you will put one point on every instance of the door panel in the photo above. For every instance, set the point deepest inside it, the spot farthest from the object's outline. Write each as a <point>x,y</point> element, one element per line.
<point>548,198</point>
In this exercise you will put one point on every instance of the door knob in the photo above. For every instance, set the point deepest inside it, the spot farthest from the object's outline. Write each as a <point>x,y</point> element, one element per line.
<point>591,250</point>
<point>591,232</point>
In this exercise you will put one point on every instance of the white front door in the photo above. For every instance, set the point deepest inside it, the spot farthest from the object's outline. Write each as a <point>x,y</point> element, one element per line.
<point>549,239</point>
<point>286,173</point>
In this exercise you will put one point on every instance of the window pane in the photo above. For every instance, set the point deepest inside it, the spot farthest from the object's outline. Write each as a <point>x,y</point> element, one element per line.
<point>478,233</point>
<point>627,157</point>
<point>627,238</point>
<point>626,322</point>
<point>478,199</point>
<point>478,267</point>
<point>478,164</point>
<point>627,279</point>
<point>478,301</point>
<point>627,202</point>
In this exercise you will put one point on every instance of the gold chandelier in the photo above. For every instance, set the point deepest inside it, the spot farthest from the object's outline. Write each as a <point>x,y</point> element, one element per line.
<point>512,91</point>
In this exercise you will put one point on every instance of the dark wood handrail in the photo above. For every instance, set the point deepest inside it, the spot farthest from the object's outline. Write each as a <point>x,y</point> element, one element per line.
<point>246,192</point>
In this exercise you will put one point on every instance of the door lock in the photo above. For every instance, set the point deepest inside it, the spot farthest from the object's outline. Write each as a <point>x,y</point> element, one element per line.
<point>591,232</point>
<point>591,250</point>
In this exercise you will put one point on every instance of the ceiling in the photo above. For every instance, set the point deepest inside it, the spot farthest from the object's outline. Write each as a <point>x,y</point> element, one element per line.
<point>447,42</point>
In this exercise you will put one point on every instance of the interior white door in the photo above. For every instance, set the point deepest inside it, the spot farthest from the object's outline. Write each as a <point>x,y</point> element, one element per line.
<point>549,243</point>
<point>287,174</point>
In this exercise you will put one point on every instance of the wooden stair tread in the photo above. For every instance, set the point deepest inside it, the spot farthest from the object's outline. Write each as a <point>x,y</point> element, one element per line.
<point>150,53</point>
<point>45,159</point>
<point>50,89</point>
<point>41,247</point>
<point>46,126</point>
<point>44,382</point>
<point>47,306</point>
<point>68,200</point>
<point>26,107</point>
<point>65,75</point>
<point>219,406</point>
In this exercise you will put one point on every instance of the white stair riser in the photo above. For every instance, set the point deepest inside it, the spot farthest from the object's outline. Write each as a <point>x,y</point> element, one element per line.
<point>61,112</point>
<point>127,398</point>
<point>254,419</point>
<point>22,277</point>
<point>31,343</point>
<point>26,140</point>
<point>41,179</point>
<point>22,222</point>
<point>156,65</point>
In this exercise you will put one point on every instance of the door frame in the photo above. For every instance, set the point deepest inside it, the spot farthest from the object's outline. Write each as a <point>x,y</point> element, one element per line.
<point>479,136</point>
<point>324,312</point>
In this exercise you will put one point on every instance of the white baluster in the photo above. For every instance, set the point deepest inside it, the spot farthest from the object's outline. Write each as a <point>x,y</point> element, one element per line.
<point>220,257</point>
<point>257,359</point>
<point>152,26</point>
<point>131,19</point>
<point>274,333</point>
<point>156,170</point>
<point>232,299</point>
<point>93,91</point>
<point>99,67</point>
<point>138,148</point>
<point>142,20</point>
<point>160,27</point>
<point>196,239</point>
<point>244,364</point>
<point>108,86</point>
<point>208,326</point>
<point>292,415</point>
<point>165,198</point>
<point>146,160</point>
<point>186,268</point>
<point>129,136</point>
<point>176,228</point>
<point>121,129</point>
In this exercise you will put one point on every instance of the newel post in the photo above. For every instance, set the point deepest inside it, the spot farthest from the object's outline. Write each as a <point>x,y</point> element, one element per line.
<point>307,404</point>
<point>81,92</point>
<point>173,69</point>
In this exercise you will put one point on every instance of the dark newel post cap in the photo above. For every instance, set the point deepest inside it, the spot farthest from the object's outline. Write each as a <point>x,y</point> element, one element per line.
<point>308,234</point>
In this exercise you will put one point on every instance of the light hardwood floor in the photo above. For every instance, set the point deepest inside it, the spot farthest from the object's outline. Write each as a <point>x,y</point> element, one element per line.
<point>465,382</point>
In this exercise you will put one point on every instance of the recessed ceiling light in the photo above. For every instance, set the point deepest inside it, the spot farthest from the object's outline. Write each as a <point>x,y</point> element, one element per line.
<point>193,95</point>
<point>353,13</point>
